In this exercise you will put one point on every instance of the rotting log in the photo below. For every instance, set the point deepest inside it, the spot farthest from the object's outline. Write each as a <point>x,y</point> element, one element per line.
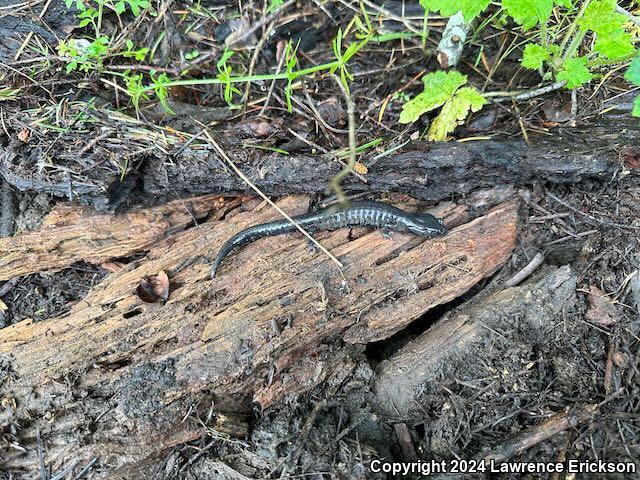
<point>119,375</point>
<point>453,340</point>
<point>71,234</point>
<point>427,171</point>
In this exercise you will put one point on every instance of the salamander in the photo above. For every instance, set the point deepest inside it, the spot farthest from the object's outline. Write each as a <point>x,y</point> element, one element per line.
<point>366,214</point>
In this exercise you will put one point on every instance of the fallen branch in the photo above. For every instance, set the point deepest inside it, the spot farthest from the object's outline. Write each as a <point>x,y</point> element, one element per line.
<point>426,171</point>
<point>546,430</point>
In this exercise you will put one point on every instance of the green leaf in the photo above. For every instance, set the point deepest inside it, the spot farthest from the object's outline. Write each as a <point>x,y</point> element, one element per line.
<point>632,74</point>
<point>446,8</point>
<point>134,5</point>
<point>636,107</point>
<point>534,56</point>
<point>454,113</point>
<point>601,17</point>
<point>438,88</point>
<point>615,46</point>
<point>575,72</point>
<point>192,54</point>
<point>274,5</point>
<point>226,55</point>
<point>161,90</point>
<point>120,7</point>
<point>528,13</point>
<point>141,54</point>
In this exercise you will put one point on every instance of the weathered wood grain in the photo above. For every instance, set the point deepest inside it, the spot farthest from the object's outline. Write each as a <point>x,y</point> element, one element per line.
<point>268,326</point>
<point>454,339</point>
<point>71,234</point>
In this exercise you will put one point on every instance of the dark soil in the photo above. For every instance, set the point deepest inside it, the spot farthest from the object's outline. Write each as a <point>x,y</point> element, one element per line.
<point>47,295</point>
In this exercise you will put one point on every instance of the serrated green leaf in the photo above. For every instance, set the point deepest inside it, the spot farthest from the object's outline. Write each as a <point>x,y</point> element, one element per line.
<point>636,107</point>
<point>454,112</point>
<point>632,74</point>
<point>615,46</point>
<point>469,8</point>
<point>529,13</point>
<point>601,17</point>
<point>534,56</point>
<point>438,88</point>
<point>575,72</point>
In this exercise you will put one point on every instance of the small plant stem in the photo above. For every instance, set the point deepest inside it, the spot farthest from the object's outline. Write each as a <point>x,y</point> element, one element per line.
<point>252,65</point>
<point>574,45</point>
<point>239,172</point>
<point>572,29</point>
<point>252,78</point>
<point>271,87</point>
<point>543,34</point>
<point>99,26</point>
<point>348,168</point>
<point>630,16</point>
<point>520,95</point>
<point>425,29</point>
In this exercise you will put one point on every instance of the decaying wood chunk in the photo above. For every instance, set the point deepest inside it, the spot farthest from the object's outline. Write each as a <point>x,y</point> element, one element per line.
<point>71,234</point>
<point>428,171</point>
<point>454,338</point>
<point>269,325</point>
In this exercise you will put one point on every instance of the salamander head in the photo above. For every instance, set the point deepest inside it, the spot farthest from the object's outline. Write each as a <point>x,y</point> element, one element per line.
<point>426,225</point>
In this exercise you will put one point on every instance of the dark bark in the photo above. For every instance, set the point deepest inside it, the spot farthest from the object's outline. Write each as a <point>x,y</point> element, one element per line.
<point>426,171</point>
<point>54,25</point>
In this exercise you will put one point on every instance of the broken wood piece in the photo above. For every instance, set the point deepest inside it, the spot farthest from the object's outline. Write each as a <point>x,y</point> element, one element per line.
<point>71,234</point>
<point>453,340</point>
<point>405,441</point>
<point>535,262</point>
<point>549,428</point>
<point>144,367</point>
<point>452,42</point>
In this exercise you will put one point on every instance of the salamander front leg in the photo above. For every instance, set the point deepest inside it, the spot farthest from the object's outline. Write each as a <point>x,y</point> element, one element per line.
<point>311,247</point>
<point>386,233</point>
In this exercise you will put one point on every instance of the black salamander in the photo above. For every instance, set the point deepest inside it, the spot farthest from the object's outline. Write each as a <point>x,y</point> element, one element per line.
<point>366,214</point>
